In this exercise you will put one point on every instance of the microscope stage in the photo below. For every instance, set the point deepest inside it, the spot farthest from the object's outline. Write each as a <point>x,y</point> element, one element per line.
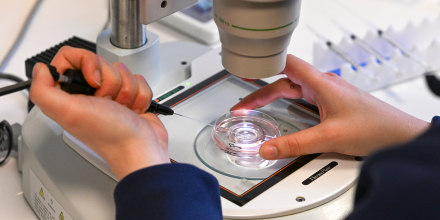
<point>289,186</point>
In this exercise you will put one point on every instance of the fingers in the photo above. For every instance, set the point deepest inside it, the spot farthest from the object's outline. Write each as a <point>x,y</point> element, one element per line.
<point>75,58</point>
<point>308,141</point>
<point>44,93</point>
<point>129,86</point>
<point>113,81</point>
<point>282,88</point>
<point>158,128</point>
<point>144,95</point>
<point>97,71</point>
<point>299,71</point>
<point>119,84</point>
<point>303,81</point>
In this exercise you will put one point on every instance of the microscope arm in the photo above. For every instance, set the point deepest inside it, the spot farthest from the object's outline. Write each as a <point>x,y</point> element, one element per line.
<point>157,9</point>
<point>254,34</point>
<point>128,18</point>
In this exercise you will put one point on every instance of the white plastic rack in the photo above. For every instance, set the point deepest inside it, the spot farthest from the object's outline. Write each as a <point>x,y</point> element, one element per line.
<point>421,40</point>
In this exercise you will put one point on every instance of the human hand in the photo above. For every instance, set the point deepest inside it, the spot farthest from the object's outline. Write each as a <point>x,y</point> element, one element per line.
<point>109,122</point>
<point>352,121</point>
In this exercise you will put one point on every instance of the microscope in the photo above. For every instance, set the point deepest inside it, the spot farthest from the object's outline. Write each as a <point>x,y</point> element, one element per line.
<point>254,36</point>
<point>64,179</point>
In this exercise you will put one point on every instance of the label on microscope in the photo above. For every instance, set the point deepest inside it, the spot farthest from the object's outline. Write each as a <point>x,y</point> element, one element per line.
<point>43,203</point>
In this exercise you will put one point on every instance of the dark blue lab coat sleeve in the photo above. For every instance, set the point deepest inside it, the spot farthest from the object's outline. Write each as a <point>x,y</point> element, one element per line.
<point>171,191</point>
<point>401,182</point>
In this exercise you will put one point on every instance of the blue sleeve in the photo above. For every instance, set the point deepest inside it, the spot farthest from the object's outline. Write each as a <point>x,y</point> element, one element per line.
<point>169,191</point>
<point>401,182</point>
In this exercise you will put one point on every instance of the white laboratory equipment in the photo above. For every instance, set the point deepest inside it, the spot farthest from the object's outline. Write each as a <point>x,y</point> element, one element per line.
<point>63,177</point>
<point>196,21</point>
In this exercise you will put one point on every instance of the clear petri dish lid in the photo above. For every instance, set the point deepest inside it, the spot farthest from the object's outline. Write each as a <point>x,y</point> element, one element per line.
<point>241,133</point>
<point>215,158</point>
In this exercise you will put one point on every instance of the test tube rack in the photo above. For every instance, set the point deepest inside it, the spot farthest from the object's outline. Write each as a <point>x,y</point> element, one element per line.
<point>422,40</point>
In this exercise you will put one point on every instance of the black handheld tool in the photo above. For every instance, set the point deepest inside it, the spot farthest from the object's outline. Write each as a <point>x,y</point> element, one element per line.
<point>73,82</point>
<point>157,108</point>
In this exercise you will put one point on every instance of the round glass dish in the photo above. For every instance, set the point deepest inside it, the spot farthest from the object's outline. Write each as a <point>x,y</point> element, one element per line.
<point>216,159</point>
<point>240,135</point>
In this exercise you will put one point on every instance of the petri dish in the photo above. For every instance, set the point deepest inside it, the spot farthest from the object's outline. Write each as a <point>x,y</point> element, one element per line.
<point>240,134</point>
<point>215,158</point>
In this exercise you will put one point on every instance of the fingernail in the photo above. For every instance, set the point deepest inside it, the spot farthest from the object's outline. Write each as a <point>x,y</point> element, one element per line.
<point>98,77</point>
<point>98,83</point>
<point>36,69</point>
<point>269,152</point>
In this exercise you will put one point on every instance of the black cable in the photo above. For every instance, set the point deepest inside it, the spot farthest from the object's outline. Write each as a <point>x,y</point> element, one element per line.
<point>6,133</point>
<point>10,77</point>
<point>20,85</point>
<point>15,88</point>
<point>27,84</point>
<point>5,139</point>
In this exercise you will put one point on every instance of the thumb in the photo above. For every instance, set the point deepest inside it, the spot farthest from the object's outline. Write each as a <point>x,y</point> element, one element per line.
<point>308,141</point>
<point>157,126</point>
<point>44,93</point>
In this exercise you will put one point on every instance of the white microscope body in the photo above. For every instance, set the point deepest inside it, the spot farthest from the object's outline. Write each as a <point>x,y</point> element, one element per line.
<point>255,35</point>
